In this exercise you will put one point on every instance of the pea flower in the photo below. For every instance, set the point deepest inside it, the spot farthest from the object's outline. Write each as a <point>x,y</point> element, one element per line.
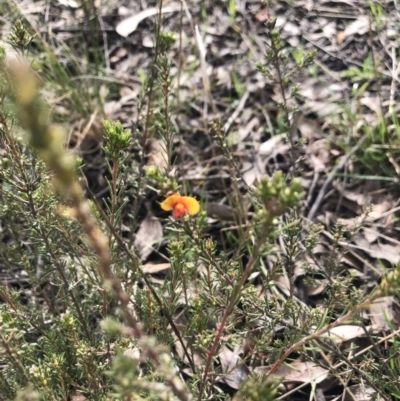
<point>180,205</point>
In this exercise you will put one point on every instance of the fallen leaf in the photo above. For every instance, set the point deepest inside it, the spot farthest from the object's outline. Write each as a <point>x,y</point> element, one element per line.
<point>69,3</point>
<point>152,268</point>
<point>345,332</point>
<point>221,211</point>
<point>75,396</point>
<point>118,55</point>
<point>370,234</point>
<point>303,372</point>
<point>150,232</point>
<point>251,173</point>
<point>387,252</point>
<point>133,353</point>
<point>263,16</point>
<point>379,209</point>
<point>236,373</point>
<point>316,289</point>
<point>244,131</point>
<point>158,155</point>
<point>385,313</point>
<point>318,152</point>
<point>373,102</point>
<point>358,392</point>
<point>129,25</point>
<point>267,147</point>
<point>360,26</point>
<point>340,37</point>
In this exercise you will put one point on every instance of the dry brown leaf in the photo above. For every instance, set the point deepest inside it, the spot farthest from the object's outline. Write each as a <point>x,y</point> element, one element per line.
<point>370,234</point>
<point>283,283</point>
<point>303,372</point>
<point>379,209</point>
<point>360,26</point>
<point>69,3</point>
<point>133,353</point>
<point>150,232</point>
<point>152,268</point>
<point>75,396</point>
<point>323,109</point>
<point>251,173</point>
<point>312,290</point>
<point>373,102</point>
<point>340,37</point>
<point>263,16</point>
<point>268,147</point>
<point>353,202</point>
<point>196,356</point>
<point>308,129</point>
<point>118,55</point>
<point>385,312</point>
<point>345,333</point>
<point>221,211</point>
<point>394,163</point>
<point>236,373</point>
<point>391,253</point>
<point>129,25</point>
<point>318,151</point>
<point>244,131</point>
<point>314,89</point>
<point>358,392</point>
<point>158,155</point>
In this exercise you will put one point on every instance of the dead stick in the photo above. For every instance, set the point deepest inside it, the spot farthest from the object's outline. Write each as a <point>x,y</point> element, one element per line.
<point>330,178</point>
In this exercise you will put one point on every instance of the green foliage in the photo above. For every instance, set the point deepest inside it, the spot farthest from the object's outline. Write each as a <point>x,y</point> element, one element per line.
<point>255,389</point>
<point>277,196</point>
<point>166,41</point>
<point>117,139</point>
<point>19,38</point>
<point>366,73</point>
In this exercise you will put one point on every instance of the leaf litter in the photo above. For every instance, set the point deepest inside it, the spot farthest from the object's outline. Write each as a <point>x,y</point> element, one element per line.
<point>340,31</point>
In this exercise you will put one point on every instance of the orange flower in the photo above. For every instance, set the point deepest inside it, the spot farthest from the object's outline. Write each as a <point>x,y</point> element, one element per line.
<point>180,205</point>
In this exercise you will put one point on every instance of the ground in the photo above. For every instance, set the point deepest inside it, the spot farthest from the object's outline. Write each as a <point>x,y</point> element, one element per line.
<point>320,105</point>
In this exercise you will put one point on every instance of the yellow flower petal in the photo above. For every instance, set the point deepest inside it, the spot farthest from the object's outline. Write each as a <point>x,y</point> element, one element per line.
<point>192,206</point>
<point>170,202</point>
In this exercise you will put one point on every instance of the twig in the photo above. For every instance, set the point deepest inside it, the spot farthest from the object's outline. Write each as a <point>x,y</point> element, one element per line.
<point>134,261</point>
<point>234,298</point>
<point>149,90</point>
<point>311,191</point>
<point>16,362</point>
<point>341,363</point>
<point>331,177</point>
<point>324,330</point>
<point>105,42</point>
<point>395,78</point>
<point>345,59</point>
<point>57,159</point>
<point>203,65</point>
<point>237,111</point>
